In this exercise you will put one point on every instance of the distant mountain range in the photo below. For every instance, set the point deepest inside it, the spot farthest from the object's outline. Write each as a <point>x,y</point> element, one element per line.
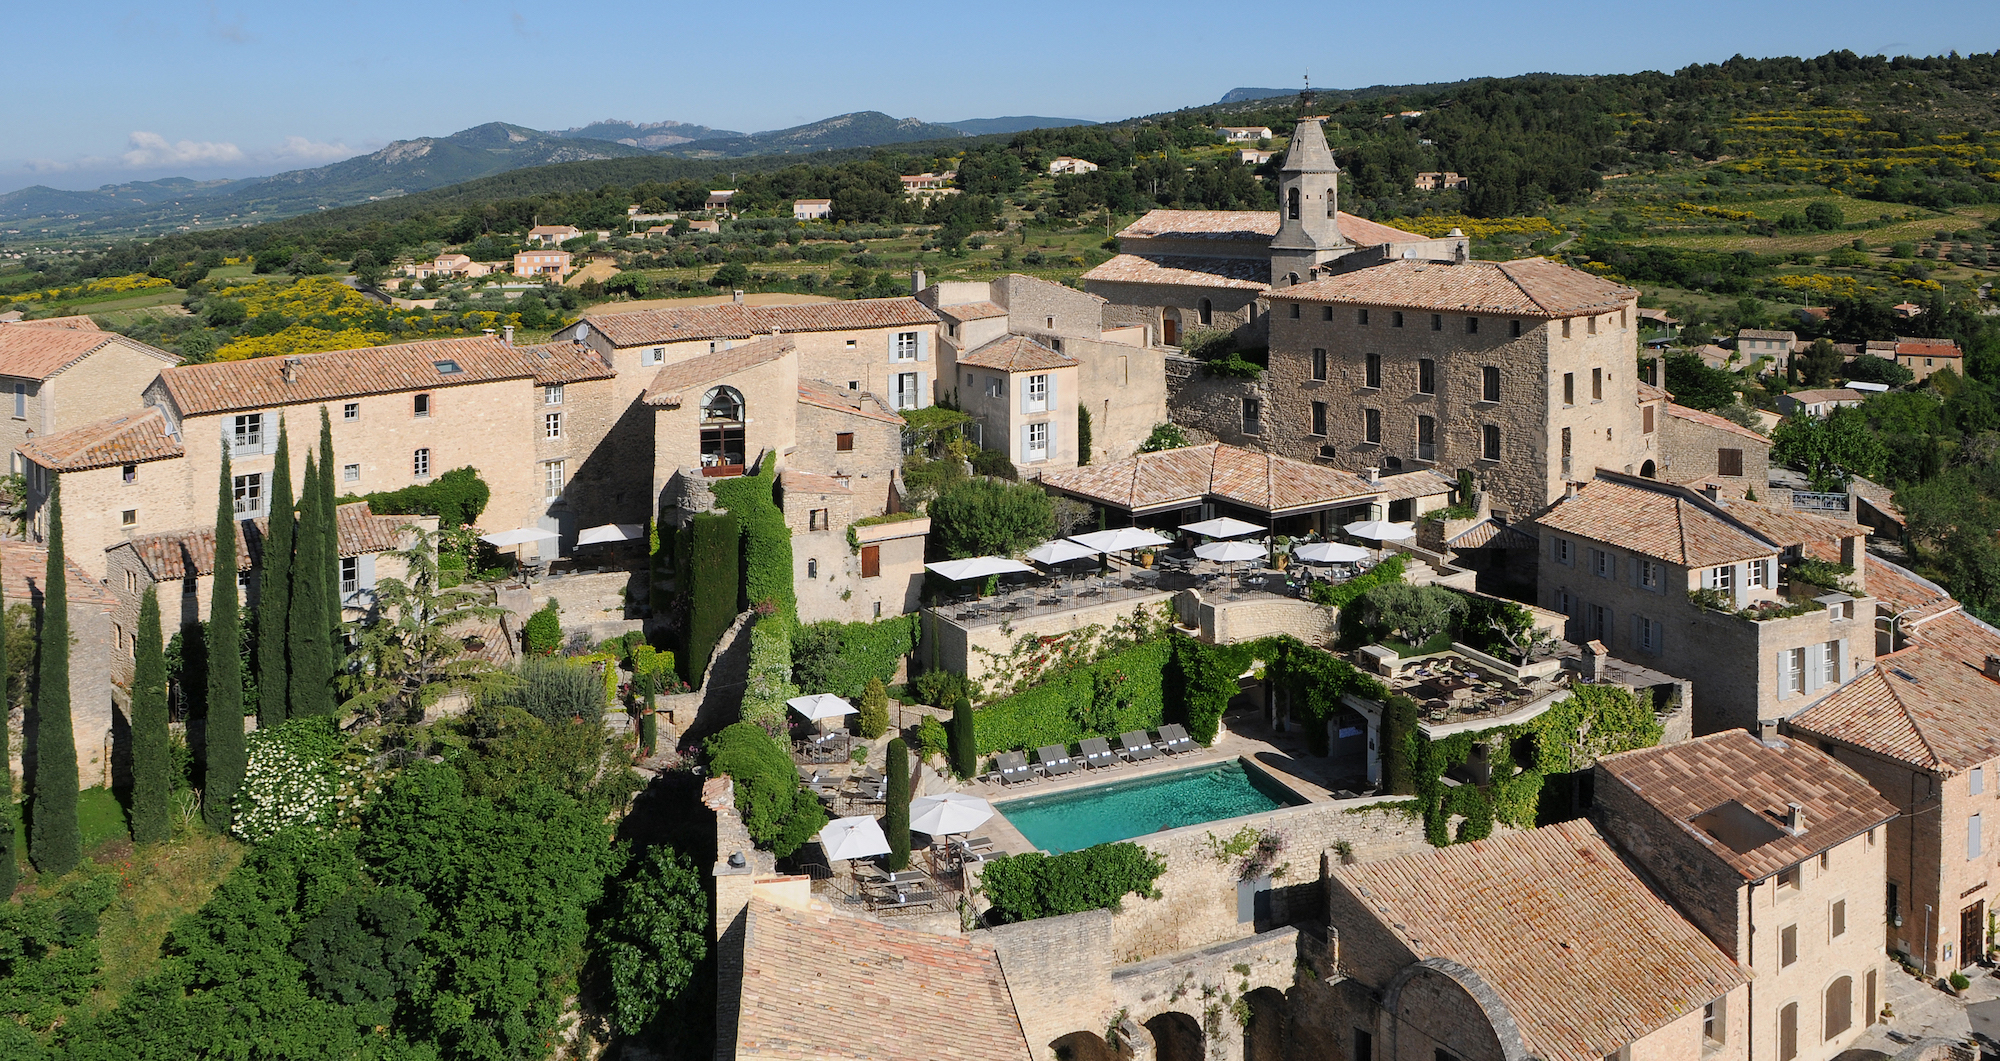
<point>650,135</point>
<point>1017,123</point>
<point>1245,95</point>
<point>860,129</point>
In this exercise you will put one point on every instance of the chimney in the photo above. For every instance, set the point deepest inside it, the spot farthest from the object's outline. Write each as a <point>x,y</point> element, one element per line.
<point>1711,491</point>
<point>488,332</point>
<point>1767,730</point>
<point>507,335</point>
<point>736,296</point>
<point>1595,656</point>
<point>1795,818</point>
<point>1373,475</point>
<point>917,284</point>
<point>1992,667</point>
<point>291,370</point>
<point>1854,553</point>
<point>1660,372</point>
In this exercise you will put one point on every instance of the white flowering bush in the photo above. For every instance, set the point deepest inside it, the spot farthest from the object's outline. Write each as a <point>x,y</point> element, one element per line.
<point>300,774</point>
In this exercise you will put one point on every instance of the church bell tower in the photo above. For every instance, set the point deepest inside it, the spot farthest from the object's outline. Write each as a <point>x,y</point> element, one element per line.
<point>1308,205</point>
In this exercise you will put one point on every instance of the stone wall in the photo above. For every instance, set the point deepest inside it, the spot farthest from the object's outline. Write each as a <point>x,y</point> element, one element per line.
<point>975,647</point>
<point>1223,622</point>
<point>719,701</point>
<point>876,454</point>
<point>1059,973</point>
<point>1210,408</point>
<point>1152,305</point>
<point>1690,449</point>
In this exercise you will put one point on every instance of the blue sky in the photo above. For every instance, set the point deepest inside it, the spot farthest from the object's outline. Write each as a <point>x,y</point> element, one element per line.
<point>116,91</point>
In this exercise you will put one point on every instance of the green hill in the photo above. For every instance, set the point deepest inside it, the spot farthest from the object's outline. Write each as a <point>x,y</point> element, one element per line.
<point>860,129</point>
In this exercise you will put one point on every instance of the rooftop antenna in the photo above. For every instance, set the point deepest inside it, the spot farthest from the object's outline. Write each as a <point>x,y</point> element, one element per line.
<point>1306,94</point>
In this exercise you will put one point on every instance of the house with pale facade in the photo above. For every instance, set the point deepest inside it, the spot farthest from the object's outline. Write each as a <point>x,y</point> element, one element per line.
<point>718,201</point>
<point>553,235</point>
<point>1923,357</point>
<point>1062,164</point>
<point>812,209</point>
<point>56,378</point>
<point>98,709</point>
<point>1237,134</point>
<point>542,263</point>
<point>1435,181</point>
<point>1819,402</point>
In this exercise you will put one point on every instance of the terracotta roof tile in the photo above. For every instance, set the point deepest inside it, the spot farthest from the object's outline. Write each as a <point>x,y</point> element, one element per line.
<point>823,395</point>
<point>1686,781</point>
<point>1929,705</point>
<point>1929,348</point>
<point>78,323</point>
<point>1650,393</point>
<point>1016,353</point>
<point>734,320</point>
<point>226,386</point>
<point>972,311</point>
<point>1492,534</point>
<point>1784,525</point>
<point>38,353</point>
<point>169,556</point>
<point>666,388</point>
<point>1706,419</point>
<point>1661,520</point>
<point>1585,955</point>
<point>23,566</point>
<point>565,362</point>
<point>1531,287</point>
<point>1424,482</point>
<point>1175,270</point>
<point>1251,225</point>
<point>819,984</point>
<point>1179,478</point>
<point>1759,333</point>
<point>132,438</point>
<point>1826,394</point>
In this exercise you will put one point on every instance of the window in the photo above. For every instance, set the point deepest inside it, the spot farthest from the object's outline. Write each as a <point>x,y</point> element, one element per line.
<point>1788,1029</point>
<point>654,356</point>
<point>1601,563</point>
<point>1038,393</point>
<point>1754,570</point>
<point>1372,371</point>
<point>1489,383</point>
<point>1651,633</point>
<point>350,473</point>
<point>871,561</point>
<point>1973,841</point>
<point>248,431</point>
<point>552,479</point>
<point>1326,313</point>
<point>447,367</point>
<point>1598,621</point>
<point>1836,919</point>
<point>350,411</point>
<point>1472,325</point>
<point>1292,204</point>
<point>1597,384</point>
<point>1565,328</point>
<point>1721,579</point>
<point>350,575</point>
<point>1319,418</point>
<point>1396,319</point>
<point>1895,901</point>
<point>1364,1045</point>
<point>818,519</point>
<point>1437,322</point>
<point>420,463</point>
<point>1038,442</point>
<point>812,568</point>
<point>1713,1017</point>
<point>1319,363</point>
<point>1371,426</point>
<point>1839,1006</point>
<point>1426,376</point>
<point>552,394</point>
<point>906,346</point>
<point>128,518</point>
<point>129,473</point>
<point>1646,419</point>
<point>1427,430</point>
<point>1978,780</point>
<point>422,405</point>
<point>1295,312</point>
<point>1560,548</point>
<point>843,441</point>
<point>1361,315</point>
<point>1590,324</point>
<point>1649,574</point>
<point>1569,388</point>
<point>1490,442</point>
<point>1253,416</point>
<point>1514,329</point>
<point>722,404</point>
<point>249,495</point>
<point>1788,945</point>
<point>1792,674</point>
<point>995,387</point>
<point>552,425</point>
<point>1728,461</point>
<point>20,401</point>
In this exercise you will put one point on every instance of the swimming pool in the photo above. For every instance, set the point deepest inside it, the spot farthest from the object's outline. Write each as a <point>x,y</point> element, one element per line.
<point>1121,810</point>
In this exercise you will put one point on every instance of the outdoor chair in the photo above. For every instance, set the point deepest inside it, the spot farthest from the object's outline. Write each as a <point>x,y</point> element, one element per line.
<point>904,902</point>
<point>1014,768</point>
<point>1136,746</point>
<point>1174,739</point>
<point>872,792</point>
<point>1055,760</point>
<point>1097,753</point>
<point>875,877</point>
<point>977,843</point>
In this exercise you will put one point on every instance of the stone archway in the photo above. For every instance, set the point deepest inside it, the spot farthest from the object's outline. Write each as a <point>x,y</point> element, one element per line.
<point>1265,1036</point>
<point>1083,1046</point>
<point>1177,1037</point>
<point>1648,470</point>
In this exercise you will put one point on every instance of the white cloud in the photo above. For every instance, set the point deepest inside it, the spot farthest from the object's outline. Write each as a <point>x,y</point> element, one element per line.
<point>301,149</point>
<point>152,149</point>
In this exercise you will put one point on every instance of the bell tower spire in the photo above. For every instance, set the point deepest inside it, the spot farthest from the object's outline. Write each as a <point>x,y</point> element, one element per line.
<point>1308,207</point>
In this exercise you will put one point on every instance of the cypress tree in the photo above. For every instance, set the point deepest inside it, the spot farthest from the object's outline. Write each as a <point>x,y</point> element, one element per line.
<point>151,788</point>
<point>226,754</point>
<point>274,584</point>
<point>53,841</point>
<point>897,821</point>
<point>10,873</point>
<point>330,549</point>
<point>963,746</point>
<point>311,677</point>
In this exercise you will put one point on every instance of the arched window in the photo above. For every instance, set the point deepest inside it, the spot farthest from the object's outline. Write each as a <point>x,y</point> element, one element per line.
<point>812,568</point>
<point>722,403</point>
<point>1291,278</point>
<point>1648,470</point>
<point>1839,1007</point>
<point>722,422</point>
<point>1207,312</point>
<point>1292,203</point>
<point>1332,198</point>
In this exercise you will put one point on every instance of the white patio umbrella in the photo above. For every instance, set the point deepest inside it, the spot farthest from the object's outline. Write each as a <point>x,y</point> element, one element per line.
<point>859,837</point>
<point>519,536</point>
<point>820,706</point>
<point>1060,551</point>
<point>1120,539</point>
<point>949,813</point>
<point>1381,530</point>
<point>1329,553</point>
<point>611,532</point>
<point>1221,527</point>
<point>1231,553</point>
<point>977,567</point>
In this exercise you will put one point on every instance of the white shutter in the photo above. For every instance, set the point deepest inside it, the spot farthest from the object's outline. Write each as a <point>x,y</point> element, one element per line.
<point>1023,381</point>
<point>1840,662</point>
<point>1815,666</point>
<point>1784,674</point>
<point>923,346</point>
<point>922,398</point>
<point>1973,846</point>
<point>1024,444</point>
<point>367,573</point>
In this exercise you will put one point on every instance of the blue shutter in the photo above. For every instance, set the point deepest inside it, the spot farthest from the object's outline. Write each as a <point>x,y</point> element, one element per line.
<point>1023,379</point>
<point>1784,684</point>
<point>923,346</point>
<point>1052,391</point>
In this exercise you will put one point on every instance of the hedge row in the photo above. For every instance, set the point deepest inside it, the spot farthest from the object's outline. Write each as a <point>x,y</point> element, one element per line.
<point>767,539</point>
<point>770,681</point>
<point>840,658</point>
<point>1058,710</point>
<point>1034,885</point>
<point>710,579</point>
<point>778,812</point>
<point>456,498</point>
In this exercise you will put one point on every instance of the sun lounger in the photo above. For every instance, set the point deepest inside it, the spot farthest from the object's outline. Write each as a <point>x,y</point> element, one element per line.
<point>1055,760</point>
<point>1174,739</point>
<point>1136,746</point>
<point>873,876</point>
<point>1014,768</point>
<point>1097,753</point>
<point>904,902</point>
<point>977,843</point>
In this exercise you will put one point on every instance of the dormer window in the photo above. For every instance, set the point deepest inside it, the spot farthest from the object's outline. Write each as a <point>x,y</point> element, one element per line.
<point>447,367</point>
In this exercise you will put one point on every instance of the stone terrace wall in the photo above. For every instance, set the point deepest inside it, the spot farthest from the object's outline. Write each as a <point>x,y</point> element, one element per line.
<point>1210,409</point>
<point>972,650</point>
<point>1223,622</point>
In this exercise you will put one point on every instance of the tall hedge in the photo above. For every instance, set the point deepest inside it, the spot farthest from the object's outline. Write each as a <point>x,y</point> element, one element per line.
<point>964,746</point>
<point>710,577</point>
<point>767,539</point>
<point>896,821</point>
<point>152,784</point>
<point>227,756</point>
<point>1034,885</point>
<point>1056,711</point>
<point>873,718</point>
<point>308,630</point>
<point>456,498</point>
<point>840,658</point>
<point>777,810</point>
<point>53,841</point>
<point>769,684</point>
<point>274,587</point>
<point>1199,686</point>
<point>10,871</point>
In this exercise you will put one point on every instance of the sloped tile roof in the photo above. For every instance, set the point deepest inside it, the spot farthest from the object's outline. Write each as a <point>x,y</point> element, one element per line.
<point>1706,419</point>
<point>1929,348</point>
<point>169,556</point>
<point>1585,955</point>
<point>1687,780</point>
<point>822,395</point>
<point>1666,522</point>
<point>1759,333</point>
<point>78,323</point>
<point>1530,287</point>
<point>23,567</point>
<point>130,438</point>
<point>1826,394</point>
<point>1650,393</point>
<point>823,985</point>
<point>1249,225</point>
<point>1492,534</point>
<point>1926,705</point>
<point>258,383</point>
<point>666,388</point>
<point>972,311</point>
<point>1016,353</point>
<point>1424,482</point>
<point>1177,270</point>
<point>735,320</point>
<point>564,362</point>
<point>1178,478</point>
<point>38,353</point>
<point>1789,526</point>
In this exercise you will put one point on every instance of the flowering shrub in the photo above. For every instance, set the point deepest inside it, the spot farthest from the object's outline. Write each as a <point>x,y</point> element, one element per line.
<point>106,285</point>
<point>298,776</point>
<point>321,313</point>
<point>1478,227</point>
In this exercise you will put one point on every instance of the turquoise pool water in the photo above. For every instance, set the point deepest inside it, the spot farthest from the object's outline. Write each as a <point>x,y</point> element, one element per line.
<point>1121,810</point>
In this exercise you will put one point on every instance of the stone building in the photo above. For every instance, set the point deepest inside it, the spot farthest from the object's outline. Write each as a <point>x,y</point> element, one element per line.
<point>58,378</point>
<point>1923,727</point>
<point>1019,352</point>
<point>1756,344</point>
<point>1819,402</point>
<point>1778,853</point>
<point>95,649</point>
<point>114,485</point>
<point>1621,557</point>
<point>1701,446</point>
<point>1522,372</point>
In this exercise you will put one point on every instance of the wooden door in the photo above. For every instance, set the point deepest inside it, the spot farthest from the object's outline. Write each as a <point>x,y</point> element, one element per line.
<point>1971,934</point>
<point>1170,332</point>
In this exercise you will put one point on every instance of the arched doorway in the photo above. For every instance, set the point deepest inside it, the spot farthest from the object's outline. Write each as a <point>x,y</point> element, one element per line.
<point>1264,1036</point>
<point>1648,470</point>
<point>1083,1046</point>
<point>1176,1037</point>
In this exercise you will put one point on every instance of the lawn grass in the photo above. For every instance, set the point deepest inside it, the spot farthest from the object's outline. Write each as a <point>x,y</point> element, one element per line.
<point>157,884</point>
<point>99,817</point>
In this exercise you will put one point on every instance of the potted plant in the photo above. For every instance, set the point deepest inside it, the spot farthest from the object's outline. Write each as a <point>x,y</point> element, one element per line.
<point>1146,558</point>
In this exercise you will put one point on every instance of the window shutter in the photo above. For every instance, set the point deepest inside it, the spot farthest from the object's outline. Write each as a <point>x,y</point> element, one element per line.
<point>367,573</point>
<point>1024,444</point>
<point>1815,666</point>
<point>1972,838</point>
<point>1052,440</point>
<point>1023,381</point>
<point>923,346</point>
<point>1638,631</point>
<point>1840,662</point>
<point>1784,674</point>
<point>1052,392</point>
